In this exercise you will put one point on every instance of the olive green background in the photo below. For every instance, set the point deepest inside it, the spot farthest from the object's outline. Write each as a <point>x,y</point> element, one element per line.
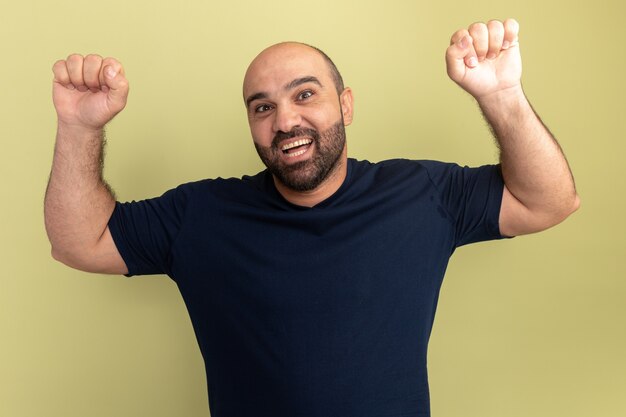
<point>533,326</point>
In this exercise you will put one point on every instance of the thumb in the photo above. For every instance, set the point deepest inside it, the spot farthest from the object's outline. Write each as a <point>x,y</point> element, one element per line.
<point>117,86</point>
<point>460,56</point>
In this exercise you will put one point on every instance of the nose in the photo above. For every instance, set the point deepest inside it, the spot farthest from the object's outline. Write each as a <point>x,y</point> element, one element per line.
<point>286,118</point>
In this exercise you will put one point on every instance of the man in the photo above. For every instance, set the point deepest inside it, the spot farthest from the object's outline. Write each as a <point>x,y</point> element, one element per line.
<point>311,286</point>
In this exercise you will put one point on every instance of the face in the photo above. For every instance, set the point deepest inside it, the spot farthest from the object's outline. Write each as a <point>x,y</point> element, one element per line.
<point>296,116</point>
<point>304,174</point>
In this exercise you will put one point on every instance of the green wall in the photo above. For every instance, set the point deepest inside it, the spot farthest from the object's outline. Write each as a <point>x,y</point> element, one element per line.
<point>533,326</point>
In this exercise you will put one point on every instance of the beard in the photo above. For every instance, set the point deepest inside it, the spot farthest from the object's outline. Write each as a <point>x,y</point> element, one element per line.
<point>305,175</point>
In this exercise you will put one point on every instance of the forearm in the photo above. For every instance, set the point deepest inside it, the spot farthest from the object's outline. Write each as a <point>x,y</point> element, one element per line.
<point>78,203</point>
<point>534,167</point>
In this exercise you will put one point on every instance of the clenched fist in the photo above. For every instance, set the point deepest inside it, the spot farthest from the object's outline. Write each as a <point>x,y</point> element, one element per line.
<point>88,91</point>
<point>485,58</point>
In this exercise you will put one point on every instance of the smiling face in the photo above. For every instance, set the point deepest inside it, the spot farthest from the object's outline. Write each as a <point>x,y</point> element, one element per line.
<point>297,117</point>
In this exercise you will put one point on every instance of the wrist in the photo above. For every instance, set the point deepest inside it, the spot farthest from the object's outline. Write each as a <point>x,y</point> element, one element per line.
<point>502,99</point>
<point>79,129</point>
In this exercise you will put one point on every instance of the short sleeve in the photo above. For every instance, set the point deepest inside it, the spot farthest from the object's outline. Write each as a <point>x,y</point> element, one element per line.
<point>472,198</point>
<point>144,231</point>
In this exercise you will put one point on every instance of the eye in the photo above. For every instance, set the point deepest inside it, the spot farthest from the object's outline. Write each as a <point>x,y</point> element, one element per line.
<point>262,108</point>
<point>305,94</point>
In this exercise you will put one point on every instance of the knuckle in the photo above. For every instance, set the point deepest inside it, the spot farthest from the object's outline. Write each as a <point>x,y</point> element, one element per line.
<point>511,24</point>
<point>479,35</point>
<point>74,58</point>
<point>113,63</point>
<point>477,27</point>
<point>495,26</point>
<point>458,35</point>
<point>59,65</point>
<point>93,57</point>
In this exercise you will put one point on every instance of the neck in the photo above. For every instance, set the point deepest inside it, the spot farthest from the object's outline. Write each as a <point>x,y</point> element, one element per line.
<point>327,188</point>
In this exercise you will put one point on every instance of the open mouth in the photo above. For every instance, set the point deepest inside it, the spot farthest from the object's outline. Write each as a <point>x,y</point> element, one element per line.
<point>296,148</point>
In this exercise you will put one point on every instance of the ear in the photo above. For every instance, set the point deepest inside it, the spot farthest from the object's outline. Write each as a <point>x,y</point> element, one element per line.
<point>347,105</point>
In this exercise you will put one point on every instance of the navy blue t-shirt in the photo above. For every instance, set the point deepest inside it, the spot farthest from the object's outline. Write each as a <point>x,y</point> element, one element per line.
<point>314,312</point>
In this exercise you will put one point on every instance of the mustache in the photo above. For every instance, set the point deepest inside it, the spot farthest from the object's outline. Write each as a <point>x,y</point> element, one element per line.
<point>295,132</point>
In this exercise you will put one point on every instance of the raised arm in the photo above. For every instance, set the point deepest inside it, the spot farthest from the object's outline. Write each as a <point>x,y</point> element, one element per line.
<point>539,190</point>
<point>87,93</point>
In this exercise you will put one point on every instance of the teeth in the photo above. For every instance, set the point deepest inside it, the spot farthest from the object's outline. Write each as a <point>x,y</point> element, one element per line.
<point>296,143</point>
<point>296,153</point>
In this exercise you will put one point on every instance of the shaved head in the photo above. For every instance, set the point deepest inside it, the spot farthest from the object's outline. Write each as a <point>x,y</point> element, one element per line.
<point>277,51</point>
<point>334,72</point>
<point>297,109</point>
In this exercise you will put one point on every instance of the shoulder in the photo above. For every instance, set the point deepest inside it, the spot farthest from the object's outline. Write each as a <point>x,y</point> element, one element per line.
<point>388,180</point>
<point>385,167</point>
<point>393,169</point>
<point>221,192</point>
<point>221,186</point>
<point>401,164</point>
<point>403,174</point>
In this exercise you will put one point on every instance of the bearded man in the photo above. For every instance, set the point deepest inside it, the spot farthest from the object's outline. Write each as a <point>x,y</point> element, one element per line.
<point>312,285</point>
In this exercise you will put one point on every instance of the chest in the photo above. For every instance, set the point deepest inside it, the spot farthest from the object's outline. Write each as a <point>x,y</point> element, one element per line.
<point>320,259</point>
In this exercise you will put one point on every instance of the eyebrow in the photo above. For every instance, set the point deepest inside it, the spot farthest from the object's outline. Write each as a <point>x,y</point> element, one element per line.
<point>289,86</point>
<point>256,96</point>
<point>299,81</point>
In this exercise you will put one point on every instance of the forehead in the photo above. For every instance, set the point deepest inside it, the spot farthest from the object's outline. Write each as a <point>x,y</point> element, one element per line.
<point>280,64</point>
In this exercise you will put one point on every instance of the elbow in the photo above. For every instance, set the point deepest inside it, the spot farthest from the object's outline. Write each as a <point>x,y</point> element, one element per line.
<point>92,260</point>
<point>570,207</point>
<point>566,209</point>
<point>57,255</point>
<point>62,256</point>
<point>73,259</point>
<point>518,219</point>
<point>576,204</point>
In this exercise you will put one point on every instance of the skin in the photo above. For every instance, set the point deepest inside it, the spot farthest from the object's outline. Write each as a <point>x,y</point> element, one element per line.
<point>281,107</point>
<point>87,93</point>
<point>289,86</point>
<point>539,191</point>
